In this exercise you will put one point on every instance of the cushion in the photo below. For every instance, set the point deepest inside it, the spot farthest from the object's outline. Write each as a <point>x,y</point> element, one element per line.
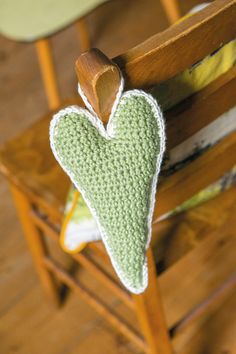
<point>28,20</point>
<point>116,169</point>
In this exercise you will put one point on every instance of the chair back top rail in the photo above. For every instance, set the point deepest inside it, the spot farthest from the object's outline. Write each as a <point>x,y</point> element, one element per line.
<point>170,52</point>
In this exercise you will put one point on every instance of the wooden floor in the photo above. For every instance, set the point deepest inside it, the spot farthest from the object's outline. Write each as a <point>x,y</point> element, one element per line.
<point>28,324</point>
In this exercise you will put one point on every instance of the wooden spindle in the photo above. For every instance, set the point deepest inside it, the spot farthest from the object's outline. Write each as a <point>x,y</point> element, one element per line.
<point>99,79</point>
<point>172,10</point>
<point>48,72</point>
<point>83,33</point>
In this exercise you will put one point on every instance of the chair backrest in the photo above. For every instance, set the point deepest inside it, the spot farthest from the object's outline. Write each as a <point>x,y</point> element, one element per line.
<point>162,57</point>
<point>35,21</point>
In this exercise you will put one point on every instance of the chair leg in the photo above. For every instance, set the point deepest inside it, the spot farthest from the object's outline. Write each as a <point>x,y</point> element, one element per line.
<point>172,10</point>
<point>36,244</point>
<point>84,37</point>
<point>48,73</point>
<point>150,314</point>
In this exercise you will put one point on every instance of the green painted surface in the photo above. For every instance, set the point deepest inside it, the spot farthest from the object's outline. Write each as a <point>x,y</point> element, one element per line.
<point>28,20</point>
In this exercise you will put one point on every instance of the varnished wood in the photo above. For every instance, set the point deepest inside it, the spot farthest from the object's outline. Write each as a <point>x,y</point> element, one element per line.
<point>104,278</point>
<point>83,33</point>
<point>97,304</point>
<point>229,284</point>
<point>86,261</point>
<point>36,245</point>
<point>99,79</point>
<point>205,170</point>
<point>210,228</point>
<point>48,72</point>
<point>175,237</point>
<point>172,9</point>
<point>99,249</point>
<point>220,292</point>
<point>150,314</point>
<point>44,182</point>
<point>170,52</point>
<point>201,108</point>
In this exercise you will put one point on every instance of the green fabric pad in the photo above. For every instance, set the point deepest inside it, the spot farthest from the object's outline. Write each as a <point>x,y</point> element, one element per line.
<point>116,171</point>
<point>28,20</point>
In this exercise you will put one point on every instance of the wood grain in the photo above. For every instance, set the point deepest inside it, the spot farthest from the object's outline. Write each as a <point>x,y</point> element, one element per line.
<point>172,9</point>
<point>48,73</point>
<point>201,268</point>
<point>83,34</point>
<point>170,52</point>
<point>200,109</point>
<point>37,246</point>
<point>100,80</point>
<point>150,314</point>
<point>206,169</point>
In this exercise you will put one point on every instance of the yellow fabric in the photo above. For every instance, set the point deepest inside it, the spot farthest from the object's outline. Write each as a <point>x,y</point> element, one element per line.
<point>69,215</point>
<point>197,77</point>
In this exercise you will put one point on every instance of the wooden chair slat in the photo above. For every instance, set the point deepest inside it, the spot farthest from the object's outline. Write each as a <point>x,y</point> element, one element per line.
<point>196,176</point>
<point>201,109</point>
<point>170,52</point>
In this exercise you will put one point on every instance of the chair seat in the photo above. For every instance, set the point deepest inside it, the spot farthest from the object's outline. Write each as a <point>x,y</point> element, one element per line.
<point>29,20</point>
<point>28,163</point>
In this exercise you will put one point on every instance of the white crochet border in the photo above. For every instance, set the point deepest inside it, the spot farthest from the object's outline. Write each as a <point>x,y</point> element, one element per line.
<point>109,133</point>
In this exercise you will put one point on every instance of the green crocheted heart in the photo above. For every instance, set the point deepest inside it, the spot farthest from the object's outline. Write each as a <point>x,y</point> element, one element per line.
<point>116,171</point>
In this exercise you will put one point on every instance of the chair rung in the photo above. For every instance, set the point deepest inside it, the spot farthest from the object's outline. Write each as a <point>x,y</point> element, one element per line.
<point>44,226</point>
<point>97,304</point>
<point>88,263</point>
<point>201,308</point>
<point>105,278</point>
<point>99,250</point>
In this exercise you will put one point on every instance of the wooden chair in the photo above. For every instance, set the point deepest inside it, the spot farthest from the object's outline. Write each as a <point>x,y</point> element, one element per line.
<point>41,37</point>
<point>172,10</point>
<point>39,186</point>
<point>46,60</point>
<point>47,66</point>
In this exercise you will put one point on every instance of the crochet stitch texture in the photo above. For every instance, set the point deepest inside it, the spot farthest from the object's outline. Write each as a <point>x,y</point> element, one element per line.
<point>116,171</point>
